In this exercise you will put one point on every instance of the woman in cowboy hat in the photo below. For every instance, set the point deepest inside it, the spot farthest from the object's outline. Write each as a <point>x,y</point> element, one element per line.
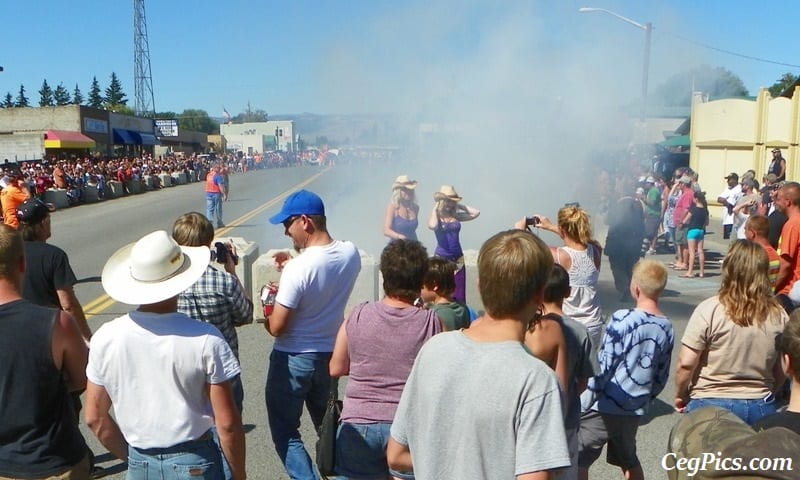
<point>401,219</point>
<point>445,221</point>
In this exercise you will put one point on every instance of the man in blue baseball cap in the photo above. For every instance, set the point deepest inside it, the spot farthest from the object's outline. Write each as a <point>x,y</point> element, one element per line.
<point>309,308</point>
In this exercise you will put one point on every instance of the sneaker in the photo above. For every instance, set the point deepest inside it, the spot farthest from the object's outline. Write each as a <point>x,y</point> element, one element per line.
<point>651,252</point>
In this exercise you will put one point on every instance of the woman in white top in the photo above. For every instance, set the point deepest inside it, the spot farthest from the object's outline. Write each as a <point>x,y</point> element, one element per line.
<point>580,256</point>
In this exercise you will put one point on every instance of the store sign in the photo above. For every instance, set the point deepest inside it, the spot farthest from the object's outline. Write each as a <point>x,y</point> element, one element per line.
<point>94,125</point>
<point>167,128</point>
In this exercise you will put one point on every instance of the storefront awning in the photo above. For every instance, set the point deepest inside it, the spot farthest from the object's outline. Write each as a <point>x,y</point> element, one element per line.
<point>147,139</point>
<point>125,137</point>
<point>67,139</point>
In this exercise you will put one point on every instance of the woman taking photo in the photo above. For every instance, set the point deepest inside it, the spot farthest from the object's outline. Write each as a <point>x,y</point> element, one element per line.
<point>580,256</point>
<point>729,358</point>
<point>376,346</point>
<point>401,219</point>
<point>445,221</point>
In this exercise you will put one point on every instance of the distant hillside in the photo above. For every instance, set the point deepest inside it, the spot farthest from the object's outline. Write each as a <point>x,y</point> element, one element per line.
<point>343,130</point>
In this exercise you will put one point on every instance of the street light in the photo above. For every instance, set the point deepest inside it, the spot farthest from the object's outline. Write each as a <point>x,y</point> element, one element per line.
<point>648,30</point>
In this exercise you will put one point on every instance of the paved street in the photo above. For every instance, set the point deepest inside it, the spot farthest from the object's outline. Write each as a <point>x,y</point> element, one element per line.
<point>249,194</point>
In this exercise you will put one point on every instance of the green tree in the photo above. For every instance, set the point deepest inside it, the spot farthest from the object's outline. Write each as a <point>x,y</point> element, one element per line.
<point>786,81</point>
<point>257,115</point>
<point>61,95</point>
<point>115,97</point>
<point>77,96</point>
<point>9,101</point>
<point>22,100</point>
<point>95,99</point>
<point>197,121</point>
<point>717,82</point>
<point>46,95</point>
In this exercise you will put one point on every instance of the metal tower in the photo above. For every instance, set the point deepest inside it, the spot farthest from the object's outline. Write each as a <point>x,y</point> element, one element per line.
<point>143,79</point>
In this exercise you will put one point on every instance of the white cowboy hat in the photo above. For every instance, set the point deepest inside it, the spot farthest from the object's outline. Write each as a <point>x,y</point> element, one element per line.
<point>153,269</point>
<point>447,192</point>
<point>404,182</point>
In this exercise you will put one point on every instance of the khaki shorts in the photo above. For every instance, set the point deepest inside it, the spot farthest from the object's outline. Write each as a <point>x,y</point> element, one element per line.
<point>618,431</point>
<point>680,235</point>
<point>79,471</point>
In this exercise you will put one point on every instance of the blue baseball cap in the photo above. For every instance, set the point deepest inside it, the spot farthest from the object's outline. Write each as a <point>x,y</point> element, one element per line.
<point>301,202</point>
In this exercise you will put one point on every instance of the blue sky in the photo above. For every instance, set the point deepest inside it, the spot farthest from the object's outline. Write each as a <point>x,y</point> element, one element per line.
<point>354,56</point>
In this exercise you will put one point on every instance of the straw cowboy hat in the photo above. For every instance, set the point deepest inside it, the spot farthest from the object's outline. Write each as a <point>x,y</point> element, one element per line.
<point>153,269</point>
<point>447,192</point>
<point>404,182</point>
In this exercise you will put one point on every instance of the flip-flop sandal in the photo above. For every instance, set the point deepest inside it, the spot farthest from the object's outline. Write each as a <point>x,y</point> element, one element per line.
<point>686,276</point>
<point>680,268</point>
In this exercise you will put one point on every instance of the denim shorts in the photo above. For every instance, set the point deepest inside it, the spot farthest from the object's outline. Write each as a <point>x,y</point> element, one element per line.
<point>361,451</point>
<point>194,460</point>
<point>750,410</point>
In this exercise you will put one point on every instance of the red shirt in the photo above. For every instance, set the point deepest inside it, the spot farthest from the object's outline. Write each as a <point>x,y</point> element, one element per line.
<point>684,202</point>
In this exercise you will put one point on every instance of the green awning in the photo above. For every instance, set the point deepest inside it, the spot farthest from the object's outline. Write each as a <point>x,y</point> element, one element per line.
<point>677,141</point>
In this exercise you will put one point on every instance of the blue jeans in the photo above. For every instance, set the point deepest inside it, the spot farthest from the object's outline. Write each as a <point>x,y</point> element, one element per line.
<point>193,460</point>
<point>294,380</point>
<point>749,410</point>
<point>361,452</point>
<point>214,208</point>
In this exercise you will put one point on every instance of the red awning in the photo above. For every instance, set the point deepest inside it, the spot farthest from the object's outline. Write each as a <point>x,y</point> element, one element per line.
<point>67,139</point>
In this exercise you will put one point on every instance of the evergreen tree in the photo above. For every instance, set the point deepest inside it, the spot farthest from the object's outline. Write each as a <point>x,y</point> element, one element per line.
<point>77,96</point>
<point>95,99</point>
<point>9,101</point>
<point>61,95</point>
<point>46,95</point>
<point>22,100</point>
<point>115,97</point>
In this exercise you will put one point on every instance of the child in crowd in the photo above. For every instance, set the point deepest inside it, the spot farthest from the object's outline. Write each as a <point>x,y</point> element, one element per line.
<point>578,363</point>
<point>510,425</point>
<point>437,293</point>
<point>634,366</point>
<point>757,230</point>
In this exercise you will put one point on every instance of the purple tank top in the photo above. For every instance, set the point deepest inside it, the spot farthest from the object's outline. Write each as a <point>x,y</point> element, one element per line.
<point>448,244</point>
<point>405,227</point>
<point>382,343</point>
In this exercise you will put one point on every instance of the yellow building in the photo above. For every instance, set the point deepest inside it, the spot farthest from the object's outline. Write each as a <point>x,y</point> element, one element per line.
<point>735,135</point>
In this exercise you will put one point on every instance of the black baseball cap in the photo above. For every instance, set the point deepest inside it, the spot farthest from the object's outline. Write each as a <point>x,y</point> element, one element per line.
<point>33,211</point>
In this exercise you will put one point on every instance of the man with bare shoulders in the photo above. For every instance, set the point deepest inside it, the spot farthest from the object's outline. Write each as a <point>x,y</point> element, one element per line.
<point>39,435</point>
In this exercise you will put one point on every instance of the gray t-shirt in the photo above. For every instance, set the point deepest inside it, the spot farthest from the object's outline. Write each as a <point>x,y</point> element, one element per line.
<point>581,363</point>
<point>480,410</point>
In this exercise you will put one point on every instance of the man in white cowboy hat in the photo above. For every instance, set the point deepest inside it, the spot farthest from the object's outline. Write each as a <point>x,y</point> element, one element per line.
<point>166,375</point>
<point>309,309</point>
<point>42,359</point>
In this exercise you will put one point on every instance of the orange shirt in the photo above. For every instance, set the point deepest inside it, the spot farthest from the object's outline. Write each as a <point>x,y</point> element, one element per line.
<point>10,198</point>
<point>789,249</point>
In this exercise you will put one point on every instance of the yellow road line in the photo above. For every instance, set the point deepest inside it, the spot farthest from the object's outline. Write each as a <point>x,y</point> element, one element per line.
<point>103,302</point>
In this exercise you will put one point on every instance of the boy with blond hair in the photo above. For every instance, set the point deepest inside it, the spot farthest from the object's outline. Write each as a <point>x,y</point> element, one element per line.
<point>634,366</point>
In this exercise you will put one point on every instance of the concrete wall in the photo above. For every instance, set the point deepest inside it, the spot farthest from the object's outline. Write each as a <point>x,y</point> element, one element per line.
<point>18,147</point>
<point>66,117</point>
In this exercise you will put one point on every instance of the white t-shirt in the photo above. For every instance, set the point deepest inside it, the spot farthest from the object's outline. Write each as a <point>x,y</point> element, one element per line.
<point>316,286</point>
<point>732,196</point>
<point>155,368</point>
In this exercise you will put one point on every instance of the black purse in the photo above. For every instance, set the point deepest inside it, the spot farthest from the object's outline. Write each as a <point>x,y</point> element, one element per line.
<point>326,442</point>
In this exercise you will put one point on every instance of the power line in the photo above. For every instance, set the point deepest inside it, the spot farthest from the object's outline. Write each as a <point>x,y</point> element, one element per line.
<point>735,54</point>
